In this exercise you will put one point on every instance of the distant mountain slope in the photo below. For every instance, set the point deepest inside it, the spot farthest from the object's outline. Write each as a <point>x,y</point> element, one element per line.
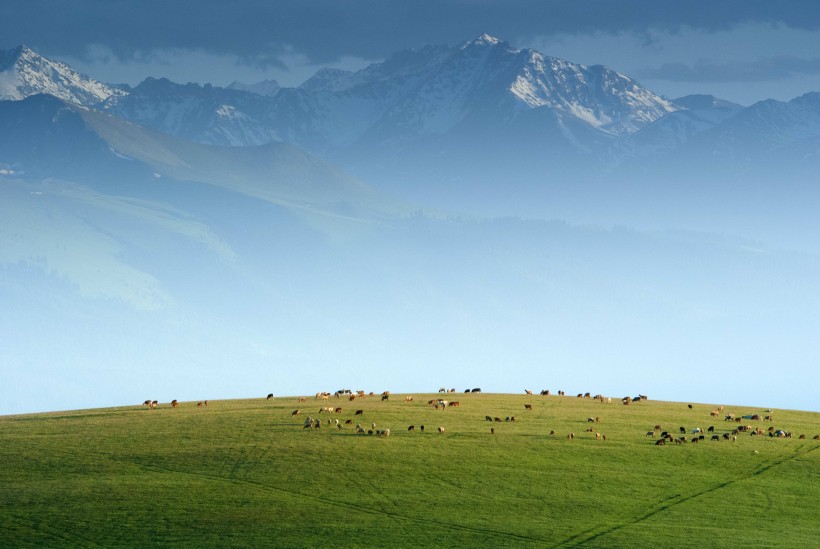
<point>44,137</point>
<point>24,73</point>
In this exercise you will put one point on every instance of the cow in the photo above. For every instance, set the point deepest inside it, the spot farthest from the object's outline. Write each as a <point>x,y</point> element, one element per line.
<point>690,406</point>
<point>545,392</point>
<point>454,404</point>
<point>147,403</point>
<point>421,428</point>
<point>442,390</point>
<point>683,430</point>
<point>552,433</point>
<point>597,436</point>
<point>411,428</point>
<point>358,412</point>
<point>711,429</point>
<point>348,422</point>
<point>351,398</point>
<point>154,404</point>
<point>270,396</point>
<point>488,418</point>
<point>528,406</point>
<point>650,434</point>
<point>174,403</point>
<point>660,442</point>
<point>476,390</point>
<point>199,404</point>
<point>590,420</point>
<point>570,436</point>
<point>816,437</point>
<point>527,392</point>
<point>492,430</point>
<point>587,395</point>
<point>385,397</point>
<point>452,390</point>
<point>408,399</point>
<point>338,410</point>
<point>498,419</point>
<point>441,430</point>
<point>295,413</point>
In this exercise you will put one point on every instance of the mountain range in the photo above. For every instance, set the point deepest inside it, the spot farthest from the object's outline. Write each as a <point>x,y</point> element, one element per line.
<point>449,210</point>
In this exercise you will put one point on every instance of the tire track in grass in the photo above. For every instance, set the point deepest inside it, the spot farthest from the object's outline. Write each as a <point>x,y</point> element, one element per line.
<point>424,521</point>
<point>588,536</point>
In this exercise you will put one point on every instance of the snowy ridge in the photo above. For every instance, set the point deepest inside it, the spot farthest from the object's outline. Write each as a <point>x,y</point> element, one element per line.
<point>24,73</point>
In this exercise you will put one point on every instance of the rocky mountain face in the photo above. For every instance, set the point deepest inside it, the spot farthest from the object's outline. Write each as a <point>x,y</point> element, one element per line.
<point>24,72</point>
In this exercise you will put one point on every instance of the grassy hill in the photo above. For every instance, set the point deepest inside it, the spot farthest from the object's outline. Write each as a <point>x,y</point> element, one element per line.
<point>246,473</point>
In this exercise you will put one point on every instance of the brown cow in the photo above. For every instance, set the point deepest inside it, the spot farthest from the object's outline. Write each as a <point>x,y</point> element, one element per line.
<point>295,413</point>
<point>174,403</point>
<point>528,406</point>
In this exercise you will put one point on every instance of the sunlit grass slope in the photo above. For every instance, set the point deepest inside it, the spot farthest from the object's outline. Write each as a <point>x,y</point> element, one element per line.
<point>246,473</point>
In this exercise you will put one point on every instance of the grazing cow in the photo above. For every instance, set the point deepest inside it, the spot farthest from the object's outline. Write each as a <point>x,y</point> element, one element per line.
<point>488,418</point>
<point>545,392</point>
<point>580,395</point>
<point>441,430</point>
<point>358,412</point>
<point>147,403</point>
<point>421,428</point>
<point>711,429</point>
<point>725,436</point>
<point>650,434</point>
<point>690,406</point>
<point>528,406</point>
<point>570,436</point>
<point>454,404</point>
<point>154,404</point>
<point>452,390</point>
<point>816,437</point>
<point>683,429</point>
<point>591,429</point>
<point>590,420</point>
<point>408,399</point>
<point>603,437</point>
<point>385,397</point>
<point>597,436</point>
<point>351,398</point>
<point>768,418</point>
<point>498,419</point>
<point>660,442</point>
<point>562,393</point>
<point>199,404</point>
<point>552,433</point>
<point>337,411</point>
<point>174,403</point>
<point>302,399</point>
<point>270,396</point>
<point>527,392</point>
<point>476,390</point>
<point>295,413</point>
<point>587,395</point>
<point>492,430</point>
<point>714,413</point>
<point>348,422</point>
<point>411,428</point>
<point>442,390</point>
<point>729,417</point>
<point>695,440</point>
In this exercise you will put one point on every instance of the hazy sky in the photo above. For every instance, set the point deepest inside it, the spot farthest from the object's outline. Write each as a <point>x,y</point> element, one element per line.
<point>741,50</point>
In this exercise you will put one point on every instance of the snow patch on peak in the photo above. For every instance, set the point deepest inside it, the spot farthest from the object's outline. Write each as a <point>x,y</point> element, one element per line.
<point>482,40</point>
<point>23,73</point>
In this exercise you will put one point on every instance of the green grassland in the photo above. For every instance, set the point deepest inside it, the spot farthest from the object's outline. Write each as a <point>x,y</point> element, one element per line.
<point>245,473</point>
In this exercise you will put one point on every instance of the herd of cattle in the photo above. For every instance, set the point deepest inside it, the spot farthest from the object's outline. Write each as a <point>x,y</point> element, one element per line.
<point>661,437</point>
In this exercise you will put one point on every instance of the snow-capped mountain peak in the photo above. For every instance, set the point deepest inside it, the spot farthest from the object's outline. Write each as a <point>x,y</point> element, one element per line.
<point>483,40</point>
<point>24,72</point>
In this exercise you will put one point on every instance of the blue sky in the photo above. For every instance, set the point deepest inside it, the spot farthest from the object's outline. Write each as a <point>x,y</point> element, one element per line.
<point>742,51</point>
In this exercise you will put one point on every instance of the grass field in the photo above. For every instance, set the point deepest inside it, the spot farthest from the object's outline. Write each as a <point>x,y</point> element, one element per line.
<point>245,473</point>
